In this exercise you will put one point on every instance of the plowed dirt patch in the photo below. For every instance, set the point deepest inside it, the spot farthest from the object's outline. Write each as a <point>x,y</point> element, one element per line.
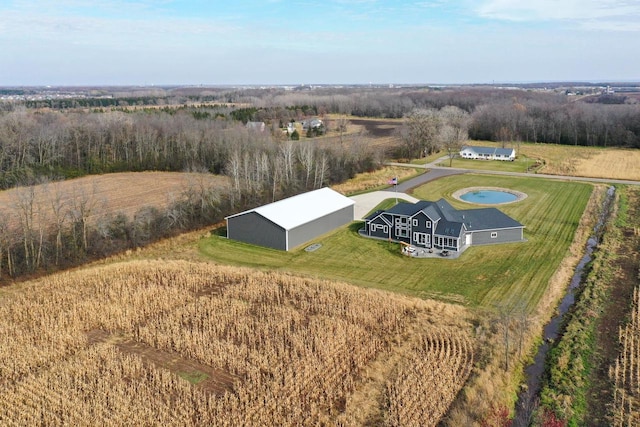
<point>214,381</point>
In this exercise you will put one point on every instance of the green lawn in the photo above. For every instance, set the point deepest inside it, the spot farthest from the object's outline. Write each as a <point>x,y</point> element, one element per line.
<point>513,274</point>
<point>518,165</point>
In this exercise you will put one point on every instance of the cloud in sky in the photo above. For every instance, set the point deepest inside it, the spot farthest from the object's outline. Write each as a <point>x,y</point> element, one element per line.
<point>606,15</point>
<point>332,41</point>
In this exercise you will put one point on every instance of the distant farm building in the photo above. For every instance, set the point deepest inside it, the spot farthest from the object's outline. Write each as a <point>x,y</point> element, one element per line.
<point>438,225</point>
<point>488,153</point>
<point>292,222</point>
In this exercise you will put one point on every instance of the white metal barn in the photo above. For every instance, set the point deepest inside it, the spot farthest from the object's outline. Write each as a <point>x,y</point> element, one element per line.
<point>289,223</point>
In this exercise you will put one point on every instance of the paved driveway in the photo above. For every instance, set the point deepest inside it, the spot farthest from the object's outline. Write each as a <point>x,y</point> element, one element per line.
<point>366,202</point>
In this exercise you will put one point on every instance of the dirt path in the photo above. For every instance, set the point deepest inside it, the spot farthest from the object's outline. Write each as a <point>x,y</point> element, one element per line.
<point>211,380</point>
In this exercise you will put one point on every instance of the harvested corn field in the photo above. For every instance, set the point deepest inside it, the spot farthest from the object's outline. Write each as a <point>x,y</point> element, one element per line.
<point>108,194</point>
<point>182,343</point>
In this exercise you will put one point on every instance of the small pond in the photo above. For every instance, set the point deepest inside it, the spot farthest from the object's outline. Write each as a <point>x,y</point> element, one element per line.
<point>489,197</point>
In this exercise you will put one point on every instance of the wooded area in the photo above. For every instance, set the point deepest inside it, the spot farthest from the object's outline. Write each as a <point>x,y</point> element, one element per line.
<point>205,131</point>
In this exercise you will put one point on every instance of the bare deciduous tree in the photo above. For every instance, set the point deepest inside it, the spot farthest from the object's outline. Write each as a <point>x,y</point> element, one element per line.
<point>454,130</point>
<point>419,132</point>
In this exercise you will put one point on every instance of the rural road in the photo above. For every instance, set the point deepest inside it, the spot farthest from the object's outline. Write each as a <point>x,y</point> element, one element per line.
<point>366,202</point>
<point>453,171</point>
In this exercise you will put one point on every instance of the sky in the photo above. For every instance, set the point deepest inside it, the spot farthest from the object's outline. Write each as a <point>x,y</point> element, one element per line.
<point>291,42</point>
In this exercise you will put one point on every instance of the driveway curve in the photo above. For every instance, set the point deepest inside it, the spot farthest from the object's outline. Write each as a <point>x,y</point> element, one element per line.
<point>366,202</point>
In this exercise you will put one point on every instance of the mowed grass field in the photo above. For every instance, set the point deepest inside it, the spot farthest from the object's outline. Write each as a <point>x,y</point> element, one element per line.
<point>591,162</point>
<point>510,274</point>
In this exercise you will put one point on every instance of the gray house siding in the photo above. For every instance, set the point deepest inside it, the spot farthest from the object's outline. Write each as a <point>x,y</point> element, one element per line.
<point>401,228</point>
<point>378,227</point>
<point>419,225</point>
<point>320,226</point>
<point>256,229</point>
<point>501,236</point>
<point>438,225</point>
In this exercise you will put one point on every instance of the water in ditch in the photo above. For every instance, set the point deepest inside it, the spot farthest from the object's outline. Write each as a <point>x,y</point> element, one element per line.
<point>533,373</point>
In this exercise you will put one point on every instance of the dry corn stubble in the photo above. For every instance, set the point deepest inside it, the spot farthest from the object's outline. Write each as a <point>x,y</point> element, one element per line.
<point>87,347</point>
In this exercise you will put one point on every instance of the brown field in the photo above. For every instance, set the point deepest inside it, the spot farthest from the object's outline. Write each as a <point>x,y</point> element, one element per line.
<point>613,163</point>
<point>374,180</point>
<point>377,127</point>
<point>377,133</point>
<point>125,192</point>
<point>183,343</point>
<point>610,163</point>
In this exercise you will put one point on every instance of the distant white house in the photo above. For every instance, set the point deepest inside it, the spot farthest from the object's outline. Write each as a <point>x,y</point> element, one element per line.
<point>313,123</point>
<point>291,127</point>
<point>256,126</point>
<point>488,153</point>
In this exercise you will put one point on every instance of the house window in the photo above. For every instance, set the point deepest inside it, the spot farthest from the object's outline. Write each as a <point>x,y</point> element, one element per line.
<point>380,227</point>
<point>402,232</point>
<point>428,224</point>
<point>494,234</point>
<point>415,222</point>
<point>402,220</point>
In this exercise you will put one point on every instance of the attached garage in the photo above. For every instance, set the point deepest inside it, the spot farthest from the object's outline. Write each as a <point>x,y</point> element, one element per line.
<point>292,222</point>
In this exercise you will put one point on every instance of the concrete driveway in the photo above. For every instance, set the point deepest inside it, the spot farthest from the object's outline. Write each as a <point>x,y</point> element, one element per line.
<point>366,202</point>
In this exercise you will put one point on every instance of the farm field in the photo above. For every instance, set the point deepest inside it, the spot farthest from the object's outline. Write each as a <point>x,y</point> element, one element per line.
<point>125,192</point>
<point>614,163</point>
<point>510,274</point>
<point>180,343</point>
<point>521,164</point>
<point>622,310</point>
<point>610,163</point>
<point>591,162</point>
<point>376,180</point>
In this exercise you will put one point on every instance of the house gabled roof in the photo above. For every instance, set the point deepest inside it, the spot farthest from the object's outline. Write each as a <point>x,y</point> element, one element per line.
<point>489,151</point>
<point>376,214</point>
<point>488,219</point>
<point>446,228</point>
<point>297,210</point>
<point>431,212</point>
<point>373,215</point>
<point>405,208</point>
<point>450,221</point>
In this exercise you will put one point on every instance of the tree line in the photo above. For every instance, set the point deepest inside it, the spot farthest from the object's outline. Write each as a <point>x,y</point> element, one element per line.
<point>40,231</point>
<point>496,114</point>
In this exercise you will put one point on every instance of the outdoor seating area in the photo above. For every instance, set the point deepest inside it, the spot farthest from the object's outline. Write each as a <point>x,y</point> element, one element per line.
<point>414,252</point>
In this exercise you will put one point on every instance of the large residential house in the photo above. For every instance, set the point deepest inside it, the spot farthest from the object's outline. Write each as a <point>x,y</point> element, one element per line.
<point>488,153</point>
<point>438,225</point>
